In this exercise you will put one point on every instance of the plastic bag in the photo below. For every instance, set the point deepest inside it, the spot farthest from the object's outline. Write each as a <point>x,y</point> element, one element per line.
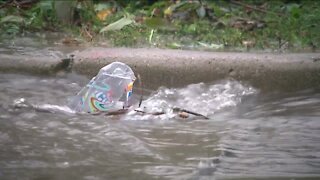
<point>110,90</point>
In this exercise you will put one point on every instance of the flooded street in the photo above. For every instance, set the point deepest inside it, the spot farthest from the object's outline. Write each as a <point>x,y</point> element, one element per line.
<point>249,134</point>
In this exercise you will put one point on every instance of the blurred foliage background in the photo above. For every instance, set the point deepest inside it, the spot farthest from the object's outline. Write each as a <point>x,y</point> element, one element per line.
<point>190,24</point>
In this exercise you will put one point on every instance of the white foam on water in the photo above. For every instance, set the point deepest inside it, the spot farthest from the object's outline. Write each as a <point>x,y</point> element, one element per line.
<point>55,108</point>
<point>200,98</point>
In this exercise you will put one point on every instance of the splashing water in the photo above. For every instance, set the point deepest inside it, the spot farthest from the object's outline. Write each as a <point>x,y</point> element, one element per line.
<point>201,98</point>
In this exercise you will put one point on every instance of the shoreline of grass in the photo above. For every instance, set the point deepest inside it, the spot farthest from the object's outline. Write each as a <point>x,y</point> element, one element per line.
<point>252,25</point>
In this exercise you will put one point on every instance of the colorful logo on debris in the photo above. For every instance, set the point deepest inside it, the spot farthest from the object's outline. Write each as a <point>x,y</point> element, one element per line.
<point>129,90</point>
<point>101,99</point>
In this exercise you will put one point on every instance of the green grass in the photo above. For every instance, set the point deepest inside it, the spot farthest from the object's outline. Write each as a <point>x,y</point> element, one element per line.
<point>219,25</point>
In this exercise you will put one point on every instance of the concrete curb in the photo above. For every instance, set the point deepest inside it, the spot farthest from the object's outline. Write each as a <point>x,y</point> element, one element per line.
<point>176,68</point>
<point>33,65</point>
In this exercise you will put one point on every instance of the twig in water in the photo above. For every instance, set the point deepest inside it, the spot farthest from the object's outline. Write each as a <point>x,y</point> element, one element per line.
<point>176,109</point>
<point>141,90</point>
<point>153,113</point>
<point>189,112</point>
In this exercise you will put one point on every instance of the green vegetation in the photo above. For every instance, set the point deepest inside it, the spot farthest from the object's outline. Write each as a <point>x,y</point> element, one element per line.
<point>196,24</point>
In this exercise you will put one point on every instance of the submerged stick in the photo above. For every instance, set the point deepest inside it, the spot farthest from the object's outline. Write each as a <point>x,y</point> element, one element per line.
<point>176,109</point>
<point>189,112</point>
<point>153,113</point>
<point>141,90</point>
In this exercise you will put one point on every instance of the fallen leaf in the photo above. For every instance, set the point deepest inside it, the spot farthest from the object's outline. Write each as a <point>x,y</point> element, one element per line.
<point>201,11</point>
<point>168,12</point>
<point>12,18</point>
<point>211,46</point>
<point>118,24</point>
<point>103,14</point>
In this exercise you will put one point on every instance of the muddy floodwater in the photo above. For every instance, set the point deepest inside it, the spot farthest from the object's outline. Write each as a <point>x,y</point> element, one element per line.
<point>249,134</point>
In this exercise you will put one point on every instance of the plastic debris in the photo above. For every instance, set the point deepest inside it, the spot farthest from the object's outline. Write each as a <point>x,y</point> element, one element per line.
<point>110,90</point>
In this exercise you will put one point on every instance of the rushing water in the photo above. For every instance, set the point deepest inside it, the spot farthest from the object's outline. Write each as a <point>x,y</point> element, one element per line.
<point>249,134</point>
